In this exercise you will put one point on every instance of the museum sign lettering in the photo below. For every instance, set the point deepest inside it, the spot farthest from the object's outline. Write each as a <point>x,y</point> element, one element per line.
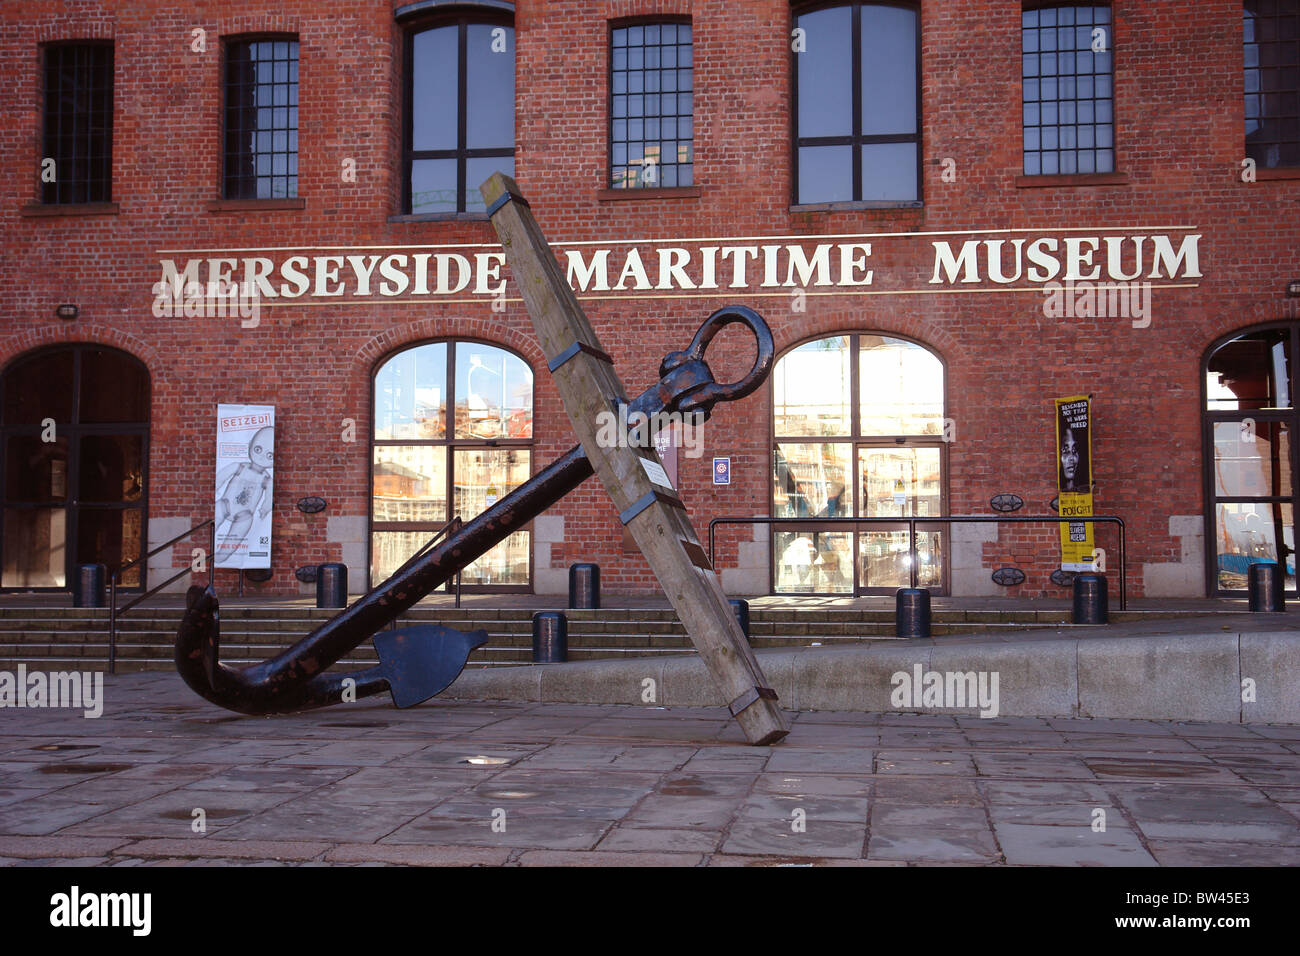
<point>826,265</point>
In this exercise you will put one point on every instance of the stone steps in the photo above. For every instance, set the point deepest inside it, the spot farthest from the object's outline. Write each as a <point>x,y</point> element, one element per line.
<point>51,637</point>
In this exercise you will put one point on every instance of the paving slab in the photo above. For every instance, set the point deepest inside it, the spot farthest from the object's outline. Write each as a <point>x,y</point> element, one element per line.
<point>634,785</point>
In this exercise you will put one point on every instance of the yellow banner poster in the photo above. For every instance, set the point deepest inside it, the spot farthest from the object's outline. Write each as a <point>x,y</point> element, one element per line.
<point>1074,481</point>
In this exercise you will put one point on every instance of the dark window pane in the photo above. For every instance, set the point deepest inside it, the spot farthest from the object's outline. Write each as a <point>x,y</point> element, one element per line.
<point>111,469</point>
<point>36,471</point>
<point>1066,89</point>
<point>825,174</point>
<point>258,150</point>
<point>490,78</point>
<point>39,388</point>
<point>433,185</point>
<point>78,123</point>
<point>889,171</point>
<point>888,71</point>
<point>114,388</point>
<point>435,88</point>
<point>651,106</point>
<point>825,73</point>
<point>1271,49</point>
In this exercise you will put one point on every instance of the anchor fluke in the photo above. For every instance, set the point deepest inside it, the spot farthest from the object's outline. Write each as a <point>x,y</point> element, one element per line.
<point>423,660</point>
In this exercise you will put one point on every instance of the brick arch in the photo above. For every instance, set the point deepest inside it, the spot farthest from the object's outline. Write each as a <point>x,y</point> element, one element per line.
<point>14,346</point>
<point>908,322</point>
<point>411,333</point>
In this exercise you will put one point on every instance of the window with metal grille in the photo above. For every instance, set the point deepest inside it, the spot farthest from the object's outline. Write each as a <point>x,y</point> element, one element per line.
<point>460,113</point>
<point>261,148</point>
<point>1068,83</point>
<point>651,123</point>
<point>1271,35</point>
<point>77,162</point>
<point>857,123</point>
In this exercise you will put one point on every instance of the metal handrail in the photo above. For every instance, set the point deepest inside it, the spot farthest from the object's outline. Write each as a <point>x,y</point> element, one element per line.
<point>912,522</point>
<point>452,526</point>
<point>114,612</point>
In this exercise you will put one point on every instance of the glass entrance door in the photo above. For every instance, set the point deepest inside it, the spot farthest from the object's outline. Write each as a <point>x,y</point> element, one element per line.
<point>74,445</point>
<point>900,482</point>
<point>1249,430</point>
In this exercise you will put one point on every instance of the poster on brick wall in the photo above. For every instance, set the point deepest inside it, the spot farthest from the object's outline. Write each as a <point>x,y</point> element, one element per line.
<point>245,471</point>
<point>1074,481</point>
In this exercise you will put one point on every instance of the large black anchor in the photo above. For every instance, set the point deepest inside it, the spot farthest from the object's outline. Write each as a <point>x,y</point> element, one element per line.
<point>420,661</point>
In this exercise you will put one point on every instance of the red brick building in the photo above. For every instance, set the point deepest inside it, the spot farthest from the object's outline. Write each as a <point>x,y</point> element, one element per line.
<point>900,189</point>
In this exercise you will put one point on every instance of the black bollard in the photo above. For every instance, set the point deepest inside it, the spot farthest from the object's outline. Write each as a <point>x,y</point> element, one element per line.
<point>1267,587</point>
<point>912,612</point>
<point>88,585</point>
<point>1091,605</point>
<point>550,637</point>
<point>584,587</point>
<point>332,585</point>
<point>742,614</point>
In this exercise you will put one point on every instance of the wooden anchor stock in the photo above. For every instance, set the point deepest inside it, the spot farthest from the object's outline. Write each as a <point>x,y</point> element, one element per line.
<point>634,478</point>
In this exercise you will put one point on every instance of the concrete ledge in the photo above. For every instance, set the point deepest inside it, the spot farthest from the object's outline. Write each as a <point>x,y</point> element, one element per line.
<point>1190,676</point>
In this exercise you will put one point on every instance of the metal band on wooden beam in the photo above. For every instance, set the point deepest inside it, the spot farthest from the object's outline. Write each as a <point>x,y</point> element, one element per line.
<point>573,350</point>
<point>749,697</point>
<point>645,501</point>
<point>504,198</point>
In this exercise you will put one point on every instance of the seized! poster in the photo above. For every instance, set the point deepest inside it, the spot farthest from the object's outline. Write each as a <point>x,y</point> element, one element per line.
<point>245,468</point>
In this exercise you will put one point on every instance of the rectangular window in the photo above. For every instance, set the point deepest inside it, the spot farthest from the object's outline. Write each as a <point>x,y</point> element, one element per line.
<point>1069,97</point>
<point>77,161</point>
<point>857,126</point>
<point>261,147</point>
<point>1271,35</point>
<point>651,131</point>
<point>460,113</point>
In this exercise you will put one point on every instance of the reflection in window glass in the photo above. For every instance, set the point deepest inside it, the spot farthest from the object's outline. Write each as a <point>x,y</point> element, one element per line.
<point>1252,459</point>
<point>411,394</point>
<point>651,106</point>
<point>864,446</point>
<point>886,562</point>
<point>494,393</point>
<point>410,483</point>
<point>1247,533</point>
<point>431,460</point>
<point>900,482</point>
<point>1250,372</point>
<point>901,388</point>
<point>813,561</point>
<point>811,388</point>
<point>812,481</point>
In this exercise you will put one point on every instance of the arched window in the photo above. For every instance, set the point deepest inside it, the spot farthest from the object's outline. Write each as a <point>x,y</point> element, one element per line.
<point>452,434</point>
<point>857,122</point>
<point>859,428</point>
<point>460,109</point>
<point>74,456</point>
<point>1249,433</point>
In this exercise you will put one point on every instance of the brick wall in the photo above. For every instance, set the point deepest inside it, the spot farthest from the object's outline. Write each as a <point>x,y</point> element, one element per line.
<point>1179,139</point>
